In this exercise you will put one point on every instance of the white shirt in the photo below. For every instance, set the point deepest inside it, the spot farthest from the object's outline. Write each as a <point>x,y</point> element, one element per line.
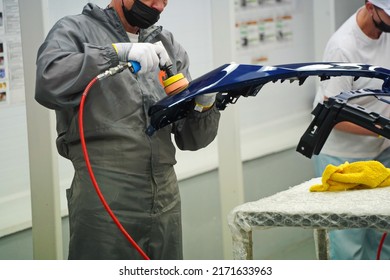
<point>350,44</point>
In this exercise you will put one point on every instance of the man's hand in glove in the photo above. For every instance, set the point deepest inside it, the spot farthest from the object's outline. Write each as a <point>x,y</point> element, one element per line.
<point>149,56</point>
<point>204,102</point>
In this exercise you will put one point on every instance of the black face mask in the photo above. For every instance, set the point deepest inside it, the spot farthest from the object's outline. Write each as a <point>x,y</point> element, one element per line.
<point>381,25</point>
<point>141,15</point>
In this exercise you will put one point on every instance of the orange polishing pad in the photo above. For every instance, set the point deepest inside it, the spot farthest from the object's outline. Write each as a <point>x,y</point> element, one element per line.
<point>175,84</point>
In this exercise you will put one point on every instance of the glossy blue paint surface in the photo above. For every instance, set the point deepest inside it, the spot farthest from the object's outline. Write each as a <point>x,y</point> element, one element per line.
<point>237,80</point>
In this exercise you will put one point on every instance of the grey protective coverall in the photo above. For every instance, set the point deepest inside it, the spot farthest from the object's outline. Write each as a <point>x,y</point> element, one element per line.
<point>134,171</point>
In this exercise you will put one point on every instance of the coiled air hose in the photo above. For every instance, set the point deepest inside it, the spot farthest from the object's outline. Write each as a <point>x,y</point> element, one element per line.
<point>110,72</point>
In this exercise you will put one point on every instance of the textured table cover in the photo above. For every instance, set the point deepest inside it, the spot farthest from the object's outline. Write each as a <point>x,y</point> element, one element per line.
<point>298,207</point>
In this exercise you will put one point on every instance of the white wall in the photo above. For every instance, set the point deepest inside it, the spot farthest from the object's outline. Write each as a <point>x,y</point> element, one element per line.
<point>274,119</point>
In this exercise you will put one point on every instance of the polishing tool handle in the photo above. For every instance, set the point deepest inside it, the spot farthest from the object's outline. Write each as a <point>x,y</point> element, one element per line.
<point>167,63</point>
<point>168,70</point>
<point>135,66</point>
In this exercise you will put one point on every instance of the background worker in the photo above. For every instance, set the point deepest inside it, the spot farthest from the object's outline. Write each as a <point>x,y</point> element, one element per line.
<point>135,172</point>
<point>363,38</point>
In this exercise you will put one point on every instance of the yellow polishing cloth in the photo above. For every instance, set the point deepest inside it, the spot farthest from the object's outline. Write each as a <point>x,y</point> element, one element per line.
<point>356,175</point>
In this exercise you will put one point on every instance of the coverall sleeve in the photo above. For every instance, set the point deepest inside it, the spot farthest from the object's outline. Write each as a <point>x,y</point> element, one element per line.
<point>197,130</point>
<point>66,63</point>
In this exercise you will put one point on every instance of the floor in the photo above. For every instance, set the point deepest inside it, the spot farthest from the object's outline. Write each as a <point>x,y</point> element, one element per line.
<point>19,247</point>
<point>301,251</point>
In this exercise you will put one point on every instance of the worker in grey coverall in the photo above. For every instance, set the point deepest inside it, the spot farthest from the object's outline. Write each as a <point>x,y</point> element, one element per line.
<point>134,171</point>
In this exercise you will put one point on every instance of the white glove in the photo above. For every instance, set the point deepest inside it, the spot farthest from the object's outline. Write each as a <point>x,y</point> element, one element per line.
<point>204,102</point>
<point>148,55</point>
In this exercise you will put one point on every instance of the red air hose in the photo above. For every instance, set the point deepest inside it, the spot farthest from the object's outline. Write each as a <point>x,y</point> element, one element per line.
<point>378,255</point>
<point>92,176</point>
